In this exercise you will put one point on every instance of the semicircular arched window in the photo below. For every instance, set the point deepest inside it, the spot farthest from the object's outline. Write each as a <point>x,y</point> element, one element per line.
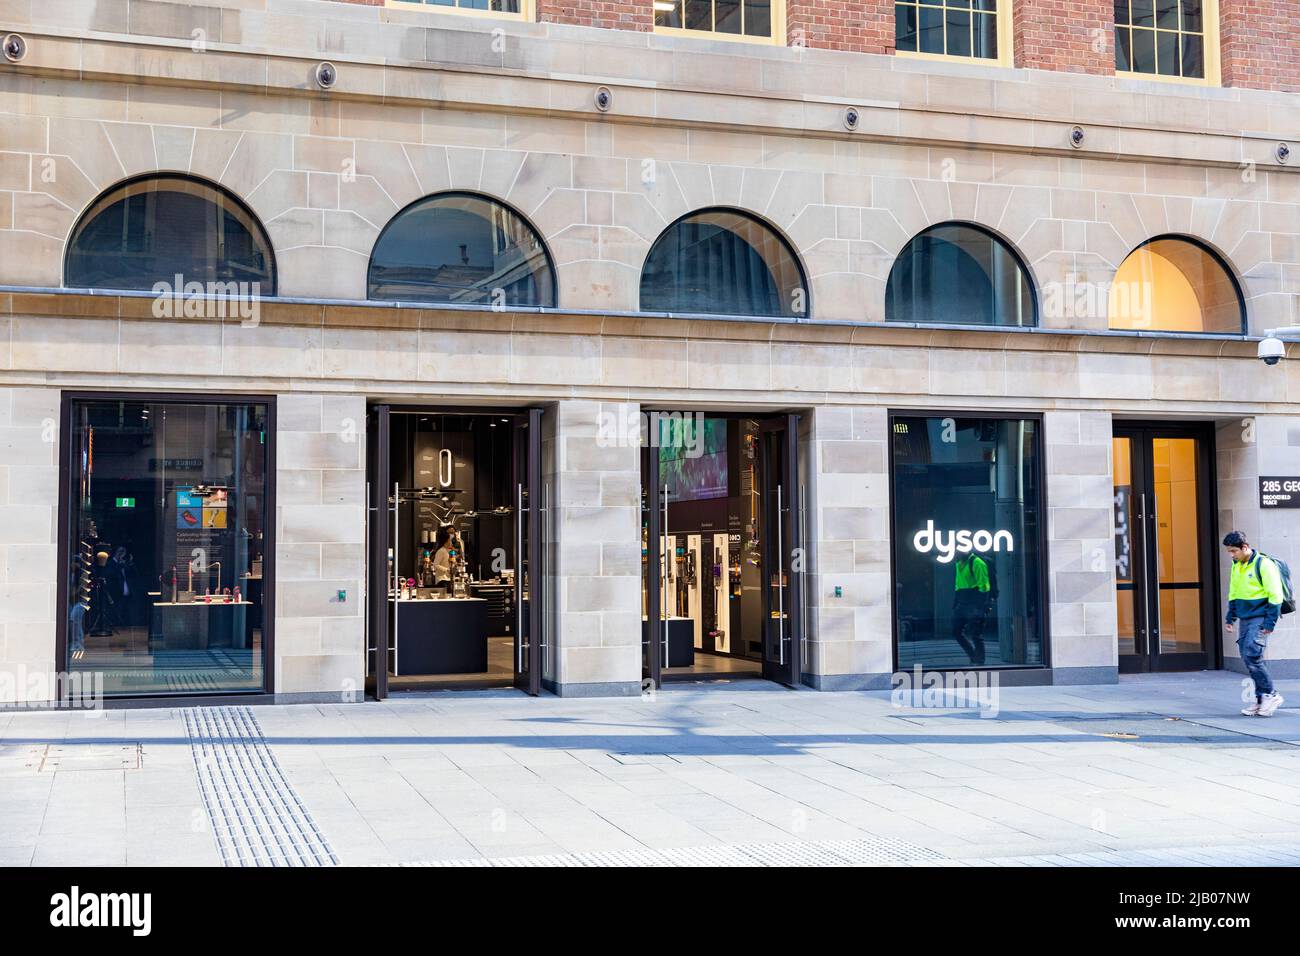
<point>958,274</point>
<point>1170,284</point>
<point>463,249</point>
<point>723,262</point>
<point>151,230</point>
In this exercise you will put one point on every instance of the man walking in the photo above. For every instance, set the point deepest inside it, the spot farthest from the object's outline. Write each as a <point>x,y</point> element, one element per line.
<point>972,596</point>
<point>1255,597</point>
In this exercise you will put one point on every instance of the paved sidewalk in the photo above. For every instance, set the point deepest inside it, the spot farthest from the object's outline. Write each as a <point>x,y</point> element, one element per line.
<point>1156,769</point>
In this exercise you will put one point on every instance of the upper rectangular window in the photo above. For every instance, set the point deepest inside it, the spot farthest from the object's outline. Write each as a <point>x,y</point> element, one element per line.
<point>1174,39</point>
<point>522,9</point>
<point>724,19</point>
<point>957,29</point>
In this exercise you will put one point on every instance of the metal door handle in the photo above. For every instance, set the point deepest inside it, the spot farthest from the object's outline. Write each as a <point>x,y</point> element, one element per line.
<point>519,578</point>
<point>397,574</point>
<point>663,591</point>
<point>780,582</point>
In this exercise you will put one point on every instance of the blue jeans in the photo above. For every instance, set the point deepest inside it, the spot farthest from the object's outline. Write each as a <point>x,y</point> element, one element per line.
<point>1251,644</point>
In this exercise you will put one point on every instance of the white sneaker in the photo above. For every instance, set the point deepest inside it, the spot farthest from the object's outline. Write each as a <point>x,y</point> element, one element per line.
<point>1269,705</point>
<point>1251,709</point>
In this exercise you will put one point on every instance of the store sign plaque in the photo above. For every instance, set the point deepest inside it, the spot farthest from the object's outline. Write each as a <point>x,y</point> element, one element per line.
<point>1277,492</point>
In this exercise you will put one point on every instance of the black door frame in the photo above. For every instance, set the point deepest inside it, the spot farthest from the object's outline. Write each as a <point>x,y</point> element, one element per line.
<point>64,531</point>
<point>526,468</point>
<point>1146,599</point>
<point>783,558</point>
<point>655,634</point>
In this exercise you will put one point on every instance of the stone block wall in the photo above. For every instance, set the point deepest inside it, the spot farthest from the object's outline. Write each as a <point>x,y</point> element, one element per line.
<point>1080,563</point>
<point>29,491</point>
<point>320,546</point>
<point>850,640</point>
<point>597,524</point>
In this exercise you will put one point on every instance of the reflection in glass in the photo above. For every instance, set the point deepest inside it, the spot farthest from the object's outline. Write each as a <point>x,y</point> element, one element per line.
<point>1177,540</point>
<point>1125,544</point>
<point>1164,37</point>
<point>724,263</point>
<point>168,522</point>
<point>152,230</point>
<point>463,249</point>
<point>958,274</point>
<point>966,533</point>
<point>1175,285</point>
<point>947,27</point>
<point>752,18</point>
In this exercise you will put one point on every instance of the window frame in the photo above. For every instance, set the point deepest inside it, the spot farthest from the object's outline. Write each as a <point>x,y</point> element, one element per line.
<point>527,10</point>
<point>1005,35</point>
<point>485,197</point>
<point>1011,249</point>
<point>1042,502</point>
<point>1217,258</point>
<point>1212,52</point>
<point>113,194</point>
<point>779,37</point>
<point>762,221</point>
<point>64,531</point>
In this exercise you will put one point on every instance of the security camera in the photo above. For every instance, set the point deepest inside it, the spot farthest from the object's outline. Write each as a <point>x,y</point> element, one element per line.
<point>326,75</point>
<point>1271,350</point>
<point>14,46</point>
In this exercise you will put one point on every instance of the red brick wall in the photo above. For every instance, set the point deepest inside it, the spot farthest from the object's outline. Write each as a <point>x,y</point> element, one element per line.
<point>1072,36</point>
<point>860,26</point>
<point>1260,45</point>
<point>611,14</point>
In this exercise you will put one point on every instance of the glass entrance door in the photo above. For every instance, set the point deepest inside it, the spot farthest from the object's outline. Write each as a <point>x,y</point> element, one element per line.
<point>1164,549</point>
<point>783,554</point>
<point>529,575</point>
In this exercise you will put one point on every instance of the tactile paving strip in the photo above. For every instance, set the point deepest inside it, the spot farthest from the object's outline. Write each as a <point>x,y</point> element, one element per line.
<point>879,851</point>
<point>256,817</point>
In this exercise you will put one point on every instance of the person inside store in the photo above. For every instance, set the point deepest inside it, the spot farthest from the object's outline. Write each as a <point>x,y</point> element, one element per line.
<point>971,603</point>
<point>442,558</point>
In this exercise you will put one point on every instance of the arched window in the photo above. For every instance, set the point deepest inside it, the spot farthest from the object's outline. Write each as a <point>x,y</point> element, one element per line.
<point>464,249</point>
<point>959,274</point>
<point>151,230</point>
<point>1170,284</point>
<point>722,262</point>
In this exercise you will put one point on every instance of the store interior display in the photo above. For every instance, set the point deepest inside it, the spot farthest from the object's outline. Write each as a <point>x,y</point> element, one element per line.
<point>711,531</point>
<point>454,516</point>
<point>169,514</point>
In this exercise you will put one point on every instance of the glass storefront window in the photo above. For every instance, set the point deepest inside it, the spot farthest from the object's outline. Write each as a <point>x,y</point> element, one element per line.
<point>967,524</point>
<point>167,538</point>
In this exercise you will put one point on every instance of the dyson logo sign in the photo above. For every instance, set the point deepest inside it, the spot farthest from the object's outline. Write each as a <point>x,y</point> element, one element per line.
<point>949,544</point>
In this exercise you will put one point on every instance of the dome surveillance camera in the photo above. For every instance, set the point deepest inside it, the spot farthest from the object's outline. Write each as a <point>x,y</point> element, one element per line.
<point>326,75</point>
<point>1272,350</point>
<point>14,46</point>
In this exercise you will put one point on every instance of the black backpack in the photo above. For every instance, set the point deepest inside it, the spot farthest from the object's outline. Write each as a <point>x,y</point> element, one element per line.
<point>1284,571</point>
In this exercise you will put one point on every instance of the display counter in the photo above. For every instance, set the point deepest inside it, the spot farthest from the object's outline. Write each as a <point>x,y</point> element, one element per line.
<point>442,636</point>
<point>681,640</point>
<point>196,625</point>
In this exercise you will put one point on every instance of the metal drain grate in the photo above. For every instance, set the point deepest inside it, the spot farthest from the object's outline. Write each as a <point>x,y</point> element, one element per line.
<point>256,817</point>
<point>878,851</point>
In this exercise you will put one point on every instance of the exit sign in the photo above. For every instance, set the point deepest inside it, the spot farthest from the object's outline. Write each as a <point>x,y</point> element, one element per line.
<point>126,502</point>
